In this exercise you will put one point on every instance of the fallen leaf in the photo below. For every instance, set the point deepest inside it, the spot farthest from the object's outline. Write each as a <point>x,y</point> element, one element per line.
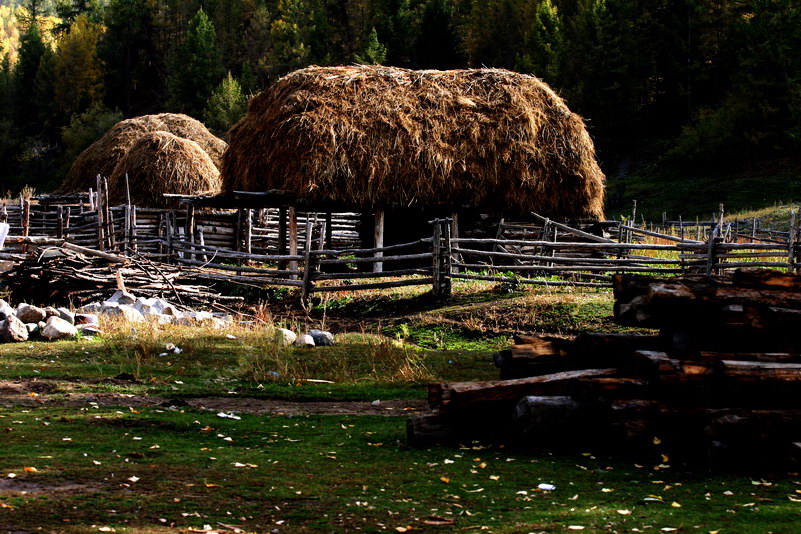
<point>607,490</point>
<point>575,527</point>
<point>212,485</point>
<point>133,479</point>
<point>624,512</point>
<point>494,477</point>
<point>674,504</point>
<point>446,480</point>
<point>31,470</point>
<point>436,520</point>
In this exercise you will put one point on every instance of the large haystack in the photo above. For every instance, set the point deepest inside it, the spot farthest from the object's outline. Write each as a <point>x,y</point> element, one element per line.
<point>103,155</point>
<point>158,163</point>
<point>384,136</point>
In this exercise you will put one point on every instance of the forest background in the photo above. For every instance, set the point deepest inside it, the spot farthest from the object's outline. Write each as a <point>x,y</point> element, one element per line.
<point>677,84</point>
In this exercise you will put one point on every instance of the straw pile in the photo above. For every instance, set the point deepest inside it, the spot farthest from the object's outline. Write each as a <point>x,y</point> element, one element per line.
<point>381,136</point>
<point>103,155</point>
<point>158,163</point>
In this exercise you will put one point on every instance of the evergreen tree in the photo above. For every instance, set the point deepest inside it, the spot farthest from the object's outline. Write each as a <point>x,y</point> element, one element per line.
<point>290,35</point>
<point>543,44</point>
<point>437,44</point>
<point>78,68</point>
<point>374,52</point>
<point>135,70</point>
<point>26,109</point>
<point>226,105</point>
<point>197,67</point>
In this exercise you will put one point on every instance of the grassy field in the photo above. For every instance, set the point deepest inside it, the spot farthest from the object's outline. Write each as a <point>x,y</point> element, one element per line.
<point>234,434</point>
<point>690,193</point>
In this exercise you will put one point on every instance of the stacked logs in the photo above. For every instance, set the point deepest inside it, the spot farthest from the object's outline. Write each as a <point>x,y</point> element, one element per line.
<point>720,380</point>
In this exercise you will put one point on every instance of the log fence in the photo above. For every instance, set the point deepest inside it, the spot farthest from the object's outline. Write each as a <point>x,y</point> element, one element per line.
<point>325,252</point>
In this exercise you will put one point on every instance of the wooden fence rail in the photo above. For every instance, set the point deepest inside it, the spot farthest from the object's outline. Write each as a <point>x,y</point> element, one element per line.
<point>323,252</point>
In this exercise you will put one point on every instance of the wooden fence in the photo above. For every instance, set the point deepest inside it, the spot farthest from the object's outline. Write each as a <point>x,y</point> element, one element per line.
<point>323,252</point>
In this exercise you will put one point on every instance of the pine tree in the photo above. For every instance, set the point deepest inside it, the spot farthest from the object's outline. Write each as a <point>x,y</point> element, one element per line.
<point>135,70</point>
<point>543,44</point>
<point>437,45</point>
<point>374,52</point>
<point>197,67</point>
<point>78,69</point>
<point>226,105</point>
<point>290,34</point>
<point>26,109</point>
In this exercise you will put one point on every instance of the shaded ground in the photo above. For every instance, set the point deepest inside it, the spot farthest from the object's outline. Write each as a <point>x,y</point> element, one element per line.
<point>55,393</point>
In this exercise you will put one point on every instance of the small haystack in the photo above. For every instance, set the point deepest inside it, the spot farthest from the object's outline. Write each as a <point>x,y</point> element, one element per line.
<point>381,136</point>
<point>103,155</point>
<point>158,163</point>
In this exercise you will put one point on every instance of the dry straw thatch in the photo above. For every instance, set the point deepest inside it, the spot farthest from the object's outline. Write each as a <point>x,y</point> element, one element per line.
<point>103,155</point>
<point>382,136</point>
<point>158,163</point>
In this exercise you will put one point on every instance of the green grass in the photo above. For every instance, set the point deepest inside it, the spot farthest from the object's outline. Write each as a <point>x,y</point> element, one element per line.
<point>697,193</point>
<point>161,470</point>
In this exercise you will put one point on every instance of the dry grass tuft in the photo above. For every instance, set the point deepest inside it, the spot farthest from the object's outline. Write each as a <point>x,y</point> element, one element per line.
<point>103,155</point>
<point>383,136</point>
<point>158,163</point>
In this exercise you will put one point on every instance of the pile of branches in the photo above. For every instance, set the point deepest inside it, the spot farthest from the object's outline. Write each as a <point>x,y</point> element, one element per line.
<point>72,275</point>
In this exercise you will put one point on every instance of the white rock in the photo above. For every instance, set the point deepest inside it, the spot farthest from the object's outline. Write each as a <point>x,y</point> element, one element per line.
<point>322,338</point>
<point>161,318</point>
<point>57,328</point>
<point>124,312</point>
<point>304,341</point>
<point>67,315</point>
<point>122,297</point>
<point>285,337</point>
<point>30,314</point>
<point>6,309</point>
<point>90,329</point>
<point>93,307</point>
<point>12,330</point>
<point>50,311</point>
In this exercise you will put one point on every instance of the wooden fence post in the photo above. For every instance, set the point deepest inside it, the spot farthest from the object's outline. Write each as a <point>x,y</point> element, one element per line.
<point>282,216</point>
<point>378,240</point>
<point>442,258</point>
<point>293,239</point>
<point>308,280</point>
<point>791,243</point>
<point>26,221</point>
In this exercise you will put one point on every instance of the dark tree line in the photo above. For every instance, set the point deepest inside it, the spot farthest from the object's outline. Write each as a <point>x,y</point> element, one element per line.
<point>683,82</point>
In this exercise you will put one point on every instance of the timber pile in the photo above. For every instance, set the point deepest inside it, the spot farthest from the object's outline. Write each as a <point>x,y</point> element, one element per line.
<point>719,382</point>
<point>72,275</point>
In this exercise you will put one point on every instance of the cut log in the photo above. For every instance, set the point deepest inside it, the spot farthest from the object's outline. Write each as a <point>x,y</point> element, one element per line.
<point>461,395</point>
<point>429,430</point>
<point>760,371</point>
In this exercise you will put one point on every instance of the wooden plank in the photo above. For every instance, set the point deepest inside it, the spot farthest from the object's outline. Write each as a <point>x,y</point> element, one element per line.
<point>466,394</point>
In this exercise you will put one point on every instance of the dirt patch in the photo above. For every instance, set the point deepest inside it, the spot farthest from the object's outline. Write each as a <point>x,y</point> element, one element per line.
<point>14,485</point>
<point>277,407</point>
<point>27,393</point>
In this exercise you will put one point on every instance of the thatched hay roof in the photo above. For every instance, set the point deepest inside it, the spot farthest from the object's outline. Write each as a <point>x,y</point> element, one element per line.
<point>386,136</point>
<point>103,155</point>
<point>158,163</point>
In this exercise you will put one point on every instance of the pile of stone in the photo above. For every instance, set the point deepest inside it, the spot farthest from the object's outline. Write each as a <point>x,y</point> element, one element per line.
<point>313,338</point>
<point>27,321</point>
<point>127,307</point>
